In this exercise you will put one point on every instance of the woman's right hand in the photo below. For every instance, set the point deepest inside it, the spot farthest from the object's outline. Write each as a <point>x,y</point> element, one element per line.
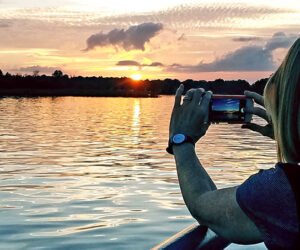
<point>266,130</point>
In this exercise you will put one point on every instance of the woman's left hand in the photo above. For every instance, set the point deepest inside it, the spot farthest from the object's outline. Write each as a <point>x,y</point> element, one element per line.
<point>266,130</point>
<point>191,118</point>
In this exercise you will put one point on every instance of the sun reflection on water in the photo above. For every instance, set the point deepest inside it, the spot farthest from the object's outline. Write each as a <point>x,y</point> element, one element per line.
<point>136,115</point>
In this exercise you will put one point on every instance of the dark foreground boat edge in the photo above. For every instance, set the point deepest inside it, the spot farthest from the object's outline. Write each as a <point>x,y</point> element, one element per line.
<point>194,236</point>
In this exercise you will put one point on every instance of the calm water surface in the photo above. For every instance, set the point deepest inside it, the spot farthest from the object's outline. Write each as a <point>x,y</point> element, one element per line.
<point>92,173</point>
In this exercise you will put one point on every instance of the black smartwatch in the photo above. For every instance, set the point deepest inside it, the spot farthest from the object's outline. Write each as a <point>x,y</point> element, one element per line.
<point>178,139</point>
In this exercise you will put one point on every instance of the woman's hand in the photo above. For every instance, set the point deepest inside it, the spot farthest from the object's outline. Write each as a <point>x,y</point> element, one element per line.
<point>266,130</point>
<point>191,117</point>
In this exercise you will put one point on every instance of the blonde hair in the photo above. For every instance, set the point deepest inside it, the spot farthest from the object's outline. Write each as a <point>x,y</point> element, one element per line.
<point>282,101</point>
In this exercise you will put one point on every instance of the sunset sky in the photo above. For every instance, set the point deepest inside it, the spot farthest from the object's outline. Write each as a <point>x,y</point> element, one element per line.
<point>157,39</point>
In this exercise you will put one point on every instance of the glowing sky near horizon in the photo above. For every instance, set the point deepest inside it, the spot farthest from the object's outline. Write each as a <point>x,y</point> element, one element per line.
<point>181,39</point>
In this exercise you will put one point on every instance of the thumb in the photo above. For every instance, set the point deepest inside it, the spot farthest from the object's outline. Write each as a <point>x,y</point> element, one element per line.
<point>245,126</point>
<point>253,127</point>
<point>178,96</point>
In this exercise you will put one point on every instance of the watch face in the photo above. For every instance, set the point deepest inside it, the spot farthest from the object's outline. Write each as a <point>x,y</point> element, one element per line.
<point>178,138</point>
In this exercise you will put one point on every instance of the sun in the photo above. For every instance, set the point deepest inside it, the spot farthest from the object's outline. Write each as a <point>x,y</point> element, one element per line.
<point>136,77</point>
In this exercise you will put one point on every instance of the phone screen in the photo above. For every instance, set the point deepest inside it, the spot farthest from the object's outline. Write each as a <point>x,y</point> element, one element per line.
<point>227,110</point>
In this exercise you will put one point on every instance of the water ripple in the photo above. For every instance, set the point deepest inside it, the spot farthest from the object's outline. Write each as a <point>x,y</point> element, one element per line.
<point>92,173</point>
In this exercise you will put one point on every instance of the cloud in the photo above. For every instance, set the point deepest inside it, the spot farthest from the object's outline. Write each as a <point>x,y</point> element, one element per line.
<point>134,38</point>
<point>219,11</point>
<point>189,17</point>
<point>156,64</point>
<point>281,40</point>
<point>40,69</point>
<point>135,63</point>
<point>199,16</point>
<point>246,39</point>
<point>128,63</point>
<point>4,23</point>
<point>247,58</point>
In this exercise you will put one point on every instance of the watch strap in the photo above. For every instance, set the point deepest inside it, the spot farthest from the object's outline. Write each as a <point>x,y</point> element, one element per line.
<point>169,149</point>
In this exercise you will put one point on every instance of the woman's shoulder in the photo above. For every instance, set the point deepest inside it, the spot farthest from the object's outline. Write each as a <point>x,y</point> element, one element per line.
<point>266,181</point>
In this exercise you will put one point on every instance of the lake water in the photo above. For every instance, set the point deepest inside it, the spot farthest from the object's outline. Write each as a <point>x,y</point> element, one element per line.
<point>92,173</point>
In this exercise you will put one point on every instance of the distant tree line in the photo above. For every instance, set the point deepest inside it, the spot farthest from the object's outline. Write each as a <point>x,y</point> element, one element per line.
<point>60,84</point>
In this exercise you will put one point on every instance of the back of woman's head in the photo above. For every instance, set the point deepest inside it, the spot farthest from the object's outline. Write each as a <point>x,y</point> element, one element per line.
<point>282,100</point>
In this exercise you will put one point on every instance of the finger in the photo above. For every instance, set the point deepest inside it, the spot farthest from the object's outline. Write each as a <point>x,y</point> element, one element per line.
<point>206,99</point>
<point>257,97</point>
<point>205,104</point>
<point>198,96</point>
<point>259,112</point>
<point>186,100</point>
<point>190,92</point>
<point>188,96</point>
<point>178,96</point>
<point>254,127</point>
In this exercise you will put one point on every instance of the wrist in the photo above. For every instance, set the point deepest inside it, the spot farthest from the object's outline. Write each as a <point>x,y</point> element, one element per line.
<point>183,148</point>
<point>178,139</point>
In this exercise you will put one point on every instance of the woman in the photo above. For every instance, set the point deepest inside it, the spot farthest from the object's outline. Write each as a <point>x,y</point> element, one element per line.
<point>265,207</point>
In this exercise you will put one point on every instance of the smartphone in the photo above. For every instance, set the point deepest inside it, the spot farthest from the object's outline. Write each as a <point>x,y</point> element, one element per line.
<point>230,109</point>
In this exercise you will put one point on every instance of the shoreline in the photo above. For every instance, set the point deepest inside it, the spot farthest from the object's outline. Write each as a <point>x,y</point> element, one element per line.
<point>72,92</point>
